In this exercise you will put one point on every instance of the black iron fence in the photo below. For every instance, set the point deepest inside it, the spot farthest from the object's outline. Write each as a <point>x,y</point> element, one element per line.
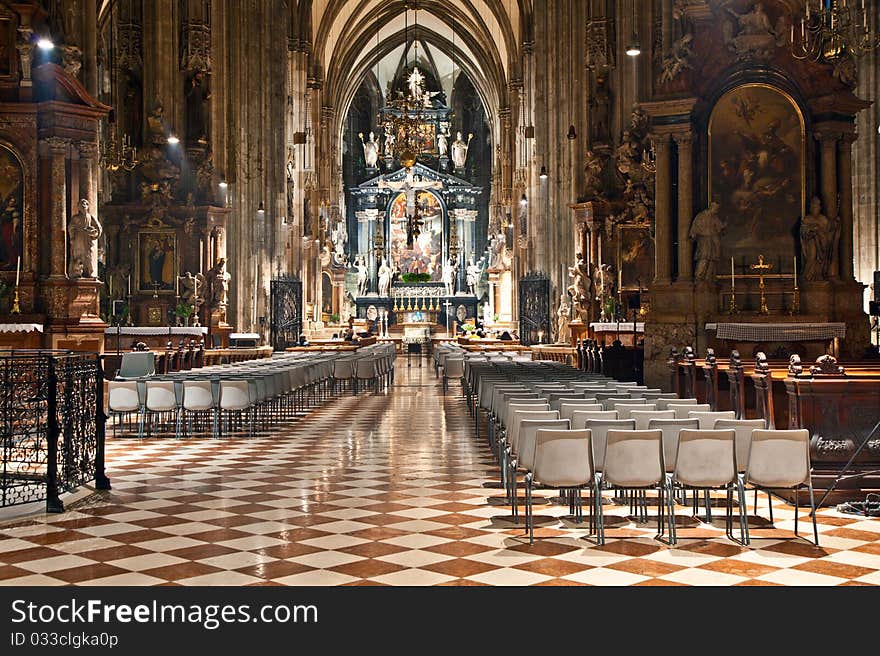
<point>52,425</point>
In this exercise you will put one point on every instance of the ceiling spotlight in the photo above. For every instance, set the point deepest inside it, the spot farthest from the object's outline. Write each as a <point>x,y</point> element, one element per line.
<point>572,133</point>
<point>45,43</point>
<point>261,209</point>
<point>633,50</point>
<point>523,201</point>
<point>223,184</point>
<point>543,173</point>
<point>173,140</point>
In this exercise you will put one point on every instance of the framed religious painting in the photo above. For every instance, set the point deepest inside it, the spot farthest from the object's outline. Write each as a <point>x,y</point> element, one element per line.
<point>756,174</point>
<point>635,257</point>
<point>422,253</point>
<point>157,261</point>
<point>11,210</point>
<point>8,53</point>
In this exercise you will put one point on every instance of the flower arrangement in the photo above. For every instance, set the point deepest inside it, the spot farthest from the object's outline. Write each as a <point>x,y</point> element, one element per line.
<point>416,277</point>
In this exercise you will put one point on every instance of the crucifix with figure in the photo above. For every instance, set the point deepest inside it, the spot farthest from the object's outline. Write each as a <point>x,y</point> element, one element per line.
<point>411,188</point>
<point>762,268</point>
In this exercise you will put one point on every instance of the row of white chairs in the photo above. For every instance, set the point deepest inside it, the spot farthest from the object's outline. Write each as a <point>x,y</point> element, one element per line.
<point>602,407</point>
<point>261,391</point>
<point>372,366</point>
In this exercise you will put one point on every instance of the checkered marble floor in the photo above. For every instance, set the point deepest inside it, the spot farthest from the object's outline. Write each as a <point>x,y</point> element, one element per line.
<point>383,489</point>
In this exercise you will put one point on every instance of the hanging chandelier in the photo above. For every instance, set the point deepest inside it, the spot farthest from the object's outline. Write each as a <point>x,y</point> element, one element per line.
<point>831,29</point>
<point>116,152</point>
<point>406,116</point>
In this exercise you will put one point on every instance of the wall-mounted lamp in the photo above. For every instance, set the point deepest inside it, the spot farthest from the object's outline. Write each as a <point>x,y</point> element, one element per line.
<point>523,201</point>
<point>543,174</point>
<point>45,43</point>
<point>224,184</point>
<point>633,50</point>
<point>173,140</point>
<point>261,210</point>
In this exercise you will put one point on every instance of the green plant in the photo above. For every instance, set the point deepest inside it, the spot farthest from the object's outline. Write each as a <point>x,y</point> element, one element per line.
<point>416,277</point>
<point>334,318</point>
<point>183,310</point>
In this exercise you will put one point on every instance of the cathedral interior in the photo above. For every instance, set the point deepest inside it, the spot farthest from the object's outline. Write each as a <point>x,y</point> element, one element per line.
<point>680,195</point>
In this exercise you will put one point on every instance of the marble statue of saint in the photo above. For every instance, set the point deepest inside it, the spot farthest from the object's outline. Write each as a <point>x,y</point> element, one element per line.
<point>473,272</point>
<point>385,274</point>
<point>371,150</point>
<point>497,246</point>
<point>362,276</point>
<point>192,287</point>
<point>389,141</point>
<point>415,81</point>
<point>580,286</point>
<point>460,150</point>
<point>448,277</point>
<point>198,95</point>
<point>706,230</point>
<point>85,231</point>
<point>563,319</point>
<point>818,239</point>
<point>443,143</point>
<point>339,236</point>
<point>218,285</point>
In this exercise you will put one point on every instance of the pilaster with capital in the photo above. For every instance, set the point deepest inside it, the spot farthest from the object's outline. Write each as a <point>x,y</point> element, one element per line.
<point>56,150</point>
<point>844,156</point>
<point>828,138</point>
<point>25,49</point>
<point>663,210</point>
<point>684,141</point>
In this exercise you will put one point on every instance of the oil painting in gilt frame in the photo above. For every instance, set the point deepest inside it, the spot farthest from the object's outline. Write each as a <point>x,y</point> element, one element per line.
<point>635,256</point>
<point>157,259</point>
<point>756,174</point>
<point>426,254</point>
<point>11,210</point>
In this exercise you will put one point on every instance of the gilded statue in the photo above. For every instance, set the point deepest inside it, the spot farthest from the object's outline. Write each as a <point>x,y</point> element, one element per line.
<point>85,231</point>
<point>819,236</point>
<point>706,231</point>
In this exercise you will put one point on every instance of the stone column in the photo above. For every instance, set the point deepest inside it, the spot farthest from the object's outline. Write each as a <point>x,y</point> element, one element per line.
<point>663,217</point>
<point>88,188</point>
<point>828,184</point>
<point>56,149</point>
<point>90,48</point>
<point>844,156</point>
<point>684,141</point>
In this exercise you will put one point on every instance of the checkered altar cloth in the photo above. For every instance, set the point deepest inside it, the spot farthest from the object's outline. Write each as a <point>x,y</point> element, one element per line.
<point>778,332</point>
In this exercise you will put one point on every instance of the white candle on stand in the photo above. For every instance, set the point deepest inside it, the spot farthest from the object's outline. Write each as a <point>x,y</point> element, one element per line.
<point>129,284</point>
<point>18,271</point>
<point>732,274</point>
<point>795,270</point>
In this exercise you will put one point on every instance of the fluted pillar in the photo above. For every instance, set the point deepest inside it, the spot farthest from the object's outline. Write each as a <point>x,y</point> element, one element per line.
<point>684,141</point>
<point>844,156</point>
<point>663,216</point>
<point>56,150</point>
<point>828,184</point>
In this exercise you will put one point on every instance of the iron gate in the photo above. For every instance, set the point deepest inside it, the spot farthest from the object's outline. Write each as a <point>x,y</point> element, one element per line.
<point>534,309</point>
<point>287,314</point>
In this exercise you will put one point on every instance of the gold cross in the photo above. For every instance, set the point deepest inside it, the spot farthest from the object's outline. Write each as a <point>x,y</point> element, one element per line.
<point>761,268</point>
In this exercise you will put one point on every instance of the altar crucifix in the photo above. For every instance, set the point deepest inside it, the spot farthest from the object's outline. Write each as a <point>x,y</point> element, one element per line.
<point>762,268</point>
<point>411,188</point>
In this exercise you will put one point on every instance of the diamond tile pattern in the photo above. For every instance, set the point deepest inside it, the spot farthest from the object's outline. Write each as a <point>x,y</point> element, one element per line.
<point>382,489</point>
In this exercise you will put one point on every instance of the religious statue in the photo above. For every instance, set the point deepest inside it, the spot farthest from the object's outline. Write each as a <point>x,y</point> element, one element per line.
<point>198,94</point>
<point>563,319</point>
<point>753,34</point>
<point>678,59</point>
<point>473,272</point>
<point>410,187</point>
<point>600,109</point>
<point>389,141</point>
<point>602,278</point>
<point>443,143</point>
<point>385,275</point>
<point>362,275</point>
<point>488,319</point>
<point>218,285</point>
<point>192,288</point>
<point>156,123</point>
<point>416,81</point>
<point>205,177</point>
<point>290,183</point>
<point>448,278</point>
<point>371,150</point>
<point>497,247</point>
<point>339,237</point>
<point>706,230</point>
<point>117,279</point>
<point>579,289</point>
<point>460,150</point>
<point>593,167</point>
<point>819,236</point>
<point>85,231</point>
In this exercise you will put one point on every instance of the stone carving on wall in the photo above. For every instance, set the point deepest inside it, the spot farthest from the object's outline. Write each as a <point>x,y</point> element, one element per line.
<point>751,34</point>
<point>84,231</point>
<point>600,43</point>
<point>678,60</point>
<point>460,150</point>
<point>635,168</point>
<point>706,231</point>
<point>195,51</point>
<point>71,59</point>
<point>192,287</point>
<point>819,236</point>
<point>600,109</point>
<point>129,48</point>
<point>218,285</point>
<point>205,186</point>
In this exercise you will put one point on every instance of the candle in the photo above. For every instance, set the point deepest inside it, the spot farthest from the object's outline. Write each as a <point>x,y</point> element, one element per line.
<point>129,284</point>
<point>732,274</point>
<point>18,271</point>
<point>177,285</point>
<point>795,270</point>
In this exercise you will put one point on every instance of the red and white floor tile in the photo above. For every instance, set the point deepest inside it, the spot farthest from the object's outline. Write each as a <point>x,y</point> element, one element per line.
<point>382,489</point>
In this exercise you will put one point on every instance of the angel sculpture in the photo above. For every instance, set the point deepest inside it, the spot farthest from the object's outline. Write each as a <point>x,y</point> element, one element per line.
<point>192,288</point>
<point>679,59</point>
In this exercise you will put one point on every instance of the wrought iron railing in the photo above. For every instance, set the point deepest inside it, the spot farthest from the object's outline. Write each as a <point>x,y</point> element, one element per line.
<point>52,425</point>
